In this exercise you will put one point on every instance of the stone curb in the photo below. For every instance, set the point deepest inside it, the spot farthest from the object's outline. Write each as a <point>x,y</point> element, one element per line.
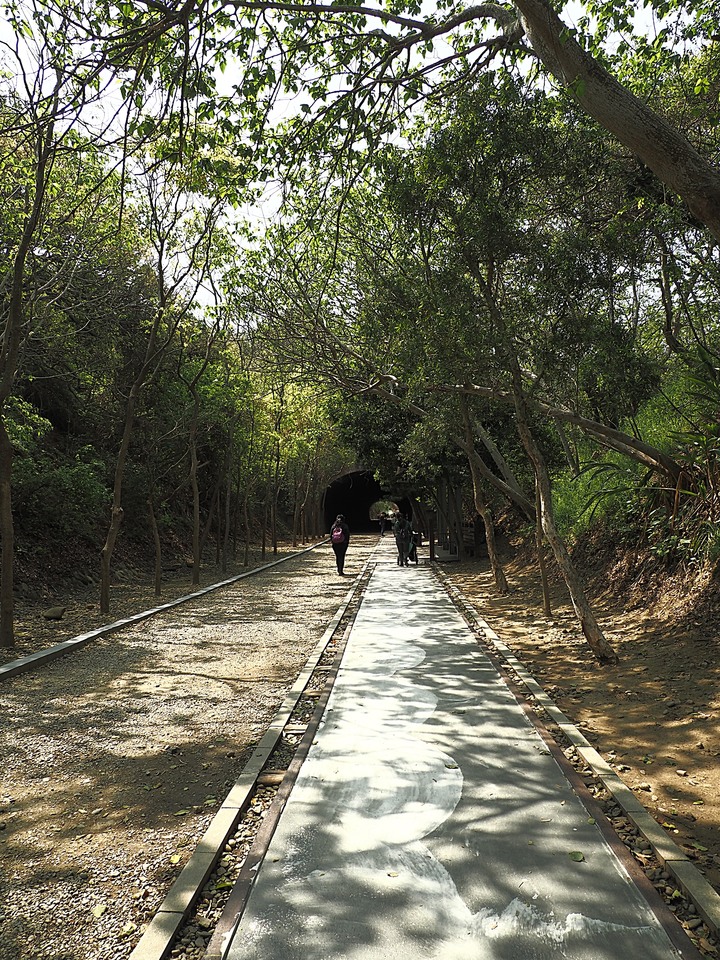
<point>688,877</point>
<point>25,664</point>
<point>156,942</point>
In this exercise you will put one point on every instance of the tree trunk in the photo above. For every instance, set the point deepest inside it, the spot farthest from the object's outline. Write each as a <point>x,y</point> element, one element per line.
<point>195,490</point>
<point>116,513</point>
<point>571,458</point>
<point>651,138</point>
<point>633,447</point>
<point>591,629</point>
<point>501,463</point>
<point>455,514</point>
<point>237,511</point>
<point>228,526</point>
<point>266,508</point>
<point>540,549</point>
<point>7,538</point>
<point>106,554</point>
<point>443,525</point>
<point>231,501</point>
<point>510,490</point>
<point>498,573</point>
<point>297,510</point>
<point>246,516</point>
<point>481,504</point>
<point>275,496</point>
<point>211,517</point>
<point>273,524</point>
<point>157,544</point>
<point>309,486</point>
<point>431,536</point>
<point>218,524</point>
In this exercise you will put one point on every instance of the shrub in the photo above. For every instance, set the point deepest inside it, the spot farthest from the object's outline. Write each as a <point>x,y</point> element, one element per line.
<point>60,498</point>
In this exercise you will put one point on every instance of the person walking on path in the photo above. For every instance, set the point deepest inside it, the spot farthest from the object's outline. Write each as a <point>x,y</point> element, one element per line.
<point>340,538</point>
<point>402,529</point>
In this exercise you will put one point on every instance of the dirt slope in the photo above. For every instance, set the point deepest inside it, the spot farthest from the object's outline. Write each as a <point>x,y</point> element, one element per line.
<point>655,715</point>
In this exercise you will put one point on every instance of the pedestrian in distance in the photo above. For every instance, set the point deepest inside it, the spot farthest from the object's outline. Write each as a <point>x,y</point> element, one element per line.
<point>415,542</point>
<point>339,539</point>
<point>382,524</point>
<point>402,529</point>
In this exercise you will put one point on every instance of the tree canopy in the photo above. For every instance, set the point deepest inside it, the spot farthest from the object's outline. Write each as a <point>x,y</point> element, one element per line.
<point>497,246</point>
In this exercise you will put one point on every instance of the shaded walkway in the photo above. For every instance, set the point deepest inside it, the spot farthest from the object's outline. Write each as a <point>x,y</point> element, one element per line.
<point>430,820</point>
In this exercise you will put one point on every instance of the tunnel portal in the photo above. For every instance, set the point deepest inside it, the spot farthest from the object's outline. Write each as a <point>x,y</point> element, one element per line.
<point>352,495</point>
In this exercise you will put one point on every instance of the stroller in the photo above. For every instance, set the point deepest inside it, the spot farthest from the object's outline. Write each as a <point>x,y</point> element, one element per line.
<point>415,542</point>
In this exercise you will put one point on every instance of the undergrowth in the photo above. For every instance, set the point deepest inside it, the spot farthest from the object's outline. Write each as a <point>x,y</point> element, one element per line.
<point>676,524</point>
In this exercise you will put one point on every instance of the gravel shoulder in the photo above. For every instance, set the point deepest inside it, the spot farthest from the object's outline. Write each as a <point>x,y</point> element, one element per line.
<point>118,755</point>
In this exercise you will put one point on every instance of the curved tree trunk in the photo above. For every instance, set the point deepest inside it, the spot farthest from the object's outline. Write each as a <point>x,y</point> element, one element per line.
<point>511,491</point>
<point>540,550</point>
<point>502,465</point>
<point>656,142</point>
<point>632,447</point>
<point>106,554</point>
<point>591,629</point>
<point>485,512</point>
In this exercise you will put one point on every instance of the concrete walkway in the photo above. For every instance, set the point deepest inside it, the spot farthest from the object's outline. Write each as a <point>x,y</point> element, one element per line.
<point>430,820</point>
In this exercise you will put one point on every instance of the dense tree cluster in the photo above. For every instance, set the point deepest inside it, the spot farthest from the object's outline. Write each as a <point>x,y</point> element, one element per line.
<point>493,272</point>
<point>502,280</point>
<point>134,396</point>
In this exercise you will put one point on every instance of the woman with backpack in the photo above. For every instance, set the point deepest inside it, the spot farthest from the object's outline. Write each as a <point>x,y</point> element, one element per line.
<point>340,538</point>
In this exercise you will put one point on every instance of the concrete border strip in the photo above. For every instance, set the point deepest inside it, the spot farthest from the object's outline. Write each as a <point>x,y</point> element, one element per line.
<point>234,909</point>
<point>157,939</point>
<point>686,874</point>
<point>25,664</point>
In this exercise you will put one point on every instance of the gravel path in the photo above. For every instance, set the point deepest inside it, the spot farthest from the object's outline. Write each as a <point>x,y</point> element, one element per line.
<point>116,757</point>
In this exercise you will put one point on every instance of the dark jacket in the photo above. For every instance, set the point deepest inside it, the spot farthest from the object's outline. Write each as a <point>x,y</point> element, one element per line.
<point>402,529</point>
<point>345,529</point>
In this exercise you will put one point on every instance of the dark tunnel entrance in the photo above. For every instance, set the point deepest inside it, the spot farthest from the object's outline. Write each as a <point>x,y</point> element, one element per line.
<point>353,495</point>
